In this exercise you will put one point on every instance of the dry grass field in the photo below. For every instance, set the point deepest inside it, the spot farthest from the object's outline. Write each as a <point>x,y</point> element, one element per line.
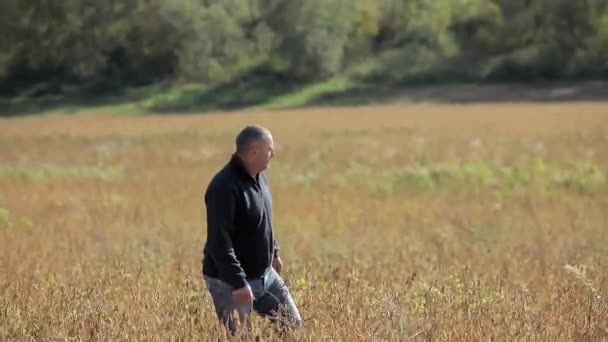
<point>419,222</point>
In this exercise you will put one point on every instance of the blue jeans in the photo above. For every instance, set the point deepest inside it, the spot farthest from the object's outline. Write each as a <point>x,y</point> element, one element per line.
<point>271,299</point>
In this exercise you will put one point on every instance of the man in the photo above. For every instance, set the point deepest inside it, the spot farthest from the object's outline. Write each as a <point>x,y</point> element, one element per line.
<point>241,263</point>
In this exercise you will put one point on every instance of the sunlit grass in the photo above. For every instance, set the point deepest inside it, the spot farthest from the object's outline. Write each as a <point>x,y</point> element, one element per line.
<point>482,175</point>
<point>451,223</point>
<point>41,173</point>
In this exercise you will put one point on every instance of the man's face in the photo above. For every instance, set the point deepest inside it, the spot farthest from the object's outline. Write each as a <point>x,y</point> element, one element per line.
<point>261,153</point>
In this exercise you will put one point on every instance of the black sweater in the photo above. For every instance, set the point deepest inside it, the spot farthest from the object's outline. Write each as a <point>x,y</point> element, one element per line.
<point>240,243</point>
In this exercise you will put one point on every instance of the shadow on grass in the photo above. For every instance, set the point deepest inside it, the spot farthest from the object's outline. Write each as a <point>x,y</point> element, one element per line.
<point>418,74</point>
<point>43,98</point>
<point>546,92</point>
<point>261,88</point>
<point>254,88</point>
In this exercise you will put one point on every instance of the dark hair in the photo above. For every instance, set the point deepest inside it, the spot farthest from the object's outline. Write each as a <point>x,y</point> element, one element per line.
<point>249,135</point>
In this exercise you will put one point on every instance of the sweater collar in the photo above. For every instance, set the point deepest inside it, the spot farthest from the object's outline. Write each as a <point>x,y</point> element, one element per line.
<point>237,164</point>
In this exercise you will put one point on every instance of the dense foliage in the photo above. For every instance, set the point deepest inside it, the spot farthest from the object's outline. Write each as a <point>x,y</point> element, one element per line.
<point>135,42</point>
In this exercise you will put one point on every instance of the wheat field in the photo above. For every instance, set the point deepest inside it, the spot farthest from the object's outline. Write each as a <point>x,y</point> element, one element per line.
<point>419,222</point>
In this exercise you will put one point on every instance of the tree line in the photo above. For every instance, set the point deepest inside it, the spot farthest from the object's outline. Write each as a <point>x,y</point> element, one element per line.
<point>138,42</point>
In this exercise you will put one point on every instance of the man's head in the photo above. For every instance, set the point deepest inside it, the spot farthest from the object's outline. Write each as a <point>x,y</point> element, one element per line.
<point>255,147</point>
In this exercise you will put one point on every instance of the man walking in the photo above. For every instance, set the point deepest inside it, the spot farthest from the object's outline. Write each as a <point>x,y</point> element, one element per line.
<point>241,264</point>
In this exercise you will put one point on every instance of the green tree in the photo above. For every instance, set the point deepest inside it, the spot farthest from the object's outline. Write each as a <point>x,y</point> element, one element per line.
<point>313,36</point>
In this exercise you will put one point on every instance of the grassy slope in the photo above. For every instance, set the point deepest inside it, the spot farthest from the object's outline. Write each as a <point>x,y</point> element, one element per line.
<point>392,76</point>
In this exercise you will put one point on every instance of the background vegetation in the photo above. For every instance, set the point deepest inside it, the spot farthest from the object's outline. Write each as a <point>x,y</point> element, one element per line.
<point>241,53</point>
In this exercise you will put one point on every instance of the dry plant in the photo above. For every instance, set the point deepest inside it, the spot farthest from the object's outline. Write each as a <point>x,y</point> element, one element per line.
<point>406,222</point>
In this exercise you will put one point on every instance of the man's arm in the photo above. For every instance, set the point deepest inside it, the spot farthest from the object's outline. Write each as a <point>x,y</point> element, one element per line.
<point>277,263</point>
<point>275,244</point>
<point>221,204</point>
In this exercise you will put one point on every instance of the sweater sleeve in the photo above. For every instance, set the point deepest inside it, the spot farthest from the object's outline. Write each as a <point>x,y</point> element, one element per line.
<point>220,202</point>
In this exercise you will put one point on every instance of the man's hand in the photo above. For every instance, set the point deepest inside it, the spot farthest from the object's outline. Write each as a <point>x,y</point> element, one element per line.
<point>243,296</point>
<point>277,264</point>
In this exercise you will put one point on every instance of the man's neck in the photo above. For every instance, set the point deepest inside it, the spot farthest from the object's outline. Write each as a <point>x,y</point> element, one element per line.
<point>248,168</point>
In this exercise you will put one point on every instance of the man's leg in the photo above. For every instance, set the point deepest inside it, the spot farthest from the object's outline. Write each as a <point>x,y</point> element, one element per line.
<point>228,312</point>
<point>277,302</point>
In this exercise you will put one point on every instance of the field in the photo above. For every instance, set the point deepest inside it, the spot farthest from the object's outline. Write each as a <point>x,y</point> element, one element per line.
<point>399,222</point>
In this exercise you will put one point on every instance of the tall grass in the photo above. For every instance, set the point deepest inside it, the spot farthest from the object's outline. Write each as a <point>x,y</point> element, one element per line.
<point>414,222</point>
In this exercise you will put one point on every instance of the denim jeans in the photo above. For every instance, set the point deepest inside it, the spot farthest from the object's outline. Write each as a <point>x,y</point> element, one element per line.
<point>271,299</point>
